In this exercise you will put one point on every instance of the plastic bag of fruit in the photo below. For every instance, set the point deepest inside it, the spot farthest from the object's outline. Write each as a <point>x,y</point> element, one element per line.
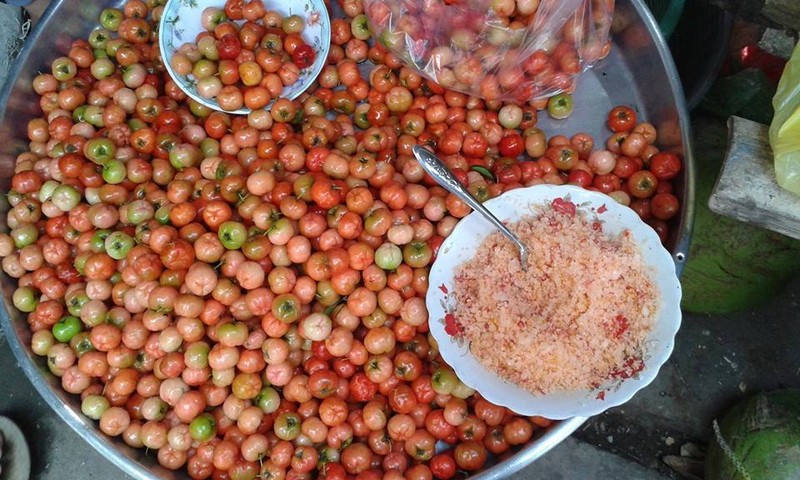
<point>511,50</point>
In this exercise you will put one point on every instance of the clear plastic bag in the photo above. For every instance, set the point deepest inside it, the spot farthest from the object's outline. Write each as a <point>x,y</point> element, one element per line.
<point>784,131</point>
<point>511,50</point>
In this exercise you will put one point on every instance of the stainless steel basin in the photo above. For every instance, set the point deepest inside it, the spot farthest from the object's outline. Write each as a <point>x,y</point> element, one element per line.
<point>638,72</point>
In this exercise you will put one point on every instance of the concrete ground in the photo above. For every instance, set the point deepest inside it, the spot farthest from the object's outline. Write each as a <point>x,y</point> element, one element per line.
<point>14,26</point>
<point>717,360</point>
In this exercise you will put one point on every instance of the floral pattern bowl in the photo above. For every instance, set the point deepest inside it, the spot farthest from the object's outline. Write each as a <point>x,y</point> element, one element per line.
<point>181,22</point>
<point>635,374</point>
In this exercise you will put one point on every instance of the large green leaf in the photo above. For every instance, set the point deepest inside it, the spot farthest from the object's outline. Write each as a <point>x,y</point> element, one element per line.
<point>731,265</point>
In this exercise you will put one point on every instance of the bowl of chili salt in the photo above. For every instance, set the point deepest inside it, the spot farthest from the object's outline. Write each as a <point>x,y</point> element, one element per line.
<point>588,324</point>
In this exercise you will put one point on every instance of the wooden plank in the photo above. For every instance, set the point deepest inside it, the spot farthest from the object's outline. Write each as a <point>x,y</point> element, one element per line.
<point>746,189</point>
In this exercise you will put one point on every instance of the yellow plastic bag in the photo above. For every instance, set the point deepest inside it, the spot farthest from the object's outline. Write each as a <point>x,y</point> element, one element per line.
<point>784,132</point>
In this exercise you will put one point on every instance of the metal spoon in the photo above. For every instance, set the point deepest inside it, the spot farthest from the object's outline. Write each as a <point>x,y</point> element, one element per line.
<point>444,177</point>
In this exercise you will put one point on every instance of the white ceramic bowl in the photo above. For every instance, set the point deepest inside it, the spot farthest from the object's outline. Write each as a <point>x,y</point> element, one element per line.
<point>462,244</point>
<point>180,23</point>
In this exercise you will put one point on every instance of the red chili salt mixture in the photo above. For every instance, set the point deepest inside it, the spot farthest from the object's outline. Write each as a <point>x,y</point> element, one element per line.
<point>579,312</point>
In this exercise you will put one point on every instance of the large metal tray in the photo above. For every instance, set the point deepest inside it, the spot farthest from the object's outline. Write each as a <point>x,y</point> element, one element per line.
<point>638,72</point>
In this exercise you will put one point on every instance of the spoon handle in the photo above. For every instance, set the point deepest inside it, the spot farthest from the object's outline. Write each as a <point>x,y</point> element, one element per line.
<point>444,177</point>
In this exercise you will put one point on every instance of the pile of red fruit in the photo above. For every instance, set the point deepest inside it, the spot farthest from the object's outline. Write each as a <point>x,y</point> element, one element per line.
<point>244,295</point>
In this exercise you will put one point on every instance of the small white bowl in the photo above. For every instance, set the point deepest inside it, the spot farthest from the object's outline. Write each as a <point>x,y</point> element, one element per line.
<point>180,23</point>
<point>462,245</point>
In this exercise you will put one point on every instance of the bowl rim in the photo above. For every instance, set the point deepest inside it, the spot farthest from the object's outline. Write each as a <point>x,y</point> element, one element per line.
<point>319,64</point>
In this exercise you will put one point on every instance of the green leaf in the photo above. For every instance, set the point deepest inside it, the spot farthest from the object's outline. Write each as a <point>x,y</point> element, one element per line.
<point>485,172</point>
